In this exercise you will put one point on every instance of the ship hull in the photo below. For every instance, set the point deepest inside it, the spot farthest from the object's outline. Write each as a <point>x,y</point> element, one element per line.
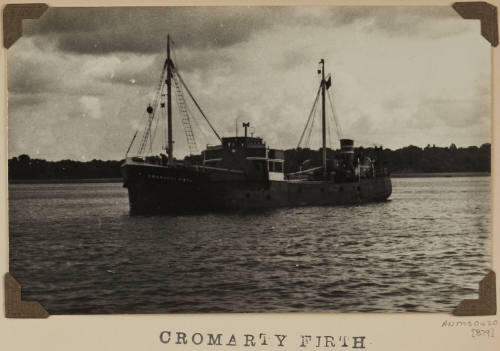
<point>162,190</point>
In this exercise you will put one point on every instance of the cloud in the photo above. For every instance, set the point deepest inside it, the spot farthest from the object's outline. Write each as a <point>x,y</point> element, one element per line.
<point>25,75</point>
<point>91,107</point>
<point>143,30</point>
<point>395,20</point>
<point>98,31</point>
<point>401,75</point>
<point>450,112</point>
<point>26,99</point>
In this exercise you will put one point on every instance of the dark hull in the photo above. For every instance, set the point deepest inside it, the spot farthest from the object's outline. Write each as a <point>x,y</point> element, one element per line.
<point>158,189</point>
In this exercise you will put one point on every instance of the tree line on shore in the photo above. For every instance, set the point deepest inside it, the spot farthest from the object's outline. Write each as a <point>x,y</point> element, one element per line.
<point>409,159</point>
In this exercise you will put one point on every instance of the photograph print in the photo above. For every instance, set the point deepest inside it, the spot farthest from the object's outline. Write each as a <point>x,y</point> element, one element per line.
<point>249,159</point>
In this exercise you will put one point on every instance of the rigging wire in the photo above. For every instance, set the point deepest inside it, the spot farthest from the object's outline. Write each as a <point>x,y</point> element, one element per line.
<point>310,115</point>
<point>337,124</point>
<point>146,133</point>
<point>197,124</point>
<point>154,106</point>
<point>176,68</point>
<point>173,49</point>
<point>158,121</point>
<point>332,120</point>
<point>308,138</point>
<point>163,118</point>
<point>152,138</point>
<point>153,119</point>
<point>196,103</point>
<point>328,126</point>
<point>201,128</point>
<point>186,118</point>
<point>137,133</point>
<point>131,143</point>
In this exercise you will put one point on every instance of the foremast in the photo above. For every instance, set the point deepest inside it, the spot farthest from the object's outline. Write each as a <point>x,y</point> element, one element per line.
<point>170,150</point>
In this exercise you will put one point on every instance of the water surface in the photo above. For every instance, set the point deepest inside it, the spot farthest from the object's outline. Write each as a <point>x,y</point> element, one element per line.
<point>75,249</point>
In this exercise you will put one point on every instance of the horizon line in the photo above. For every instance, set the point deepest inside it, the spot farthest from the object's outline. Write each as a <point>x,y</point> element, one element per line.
<point>295,148</point>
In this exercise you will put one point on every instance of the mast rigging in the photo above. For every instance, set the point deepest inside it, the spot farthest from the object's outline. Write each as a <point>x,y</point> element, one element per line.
<point>168,74</point>
<point>313,108</point>
<point>186,120</point>
<point>323,120</point>
<point>197,105</point>
<point>323,88</point>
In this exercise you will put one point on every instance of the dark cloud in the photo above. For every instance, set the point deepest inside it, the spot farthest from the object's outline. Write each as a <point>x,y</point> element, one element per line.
<point>143,30</point>
<point>101,31</point>
<point>16,100</point>
<point>35,71</point>
<point>396,20</point>
<point>25,76</point>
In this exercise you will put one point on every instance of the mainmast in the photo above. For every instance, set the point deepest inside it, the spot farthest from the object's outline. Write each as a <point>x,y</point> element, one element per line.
<point>323,119</point>
<point>170,150</point>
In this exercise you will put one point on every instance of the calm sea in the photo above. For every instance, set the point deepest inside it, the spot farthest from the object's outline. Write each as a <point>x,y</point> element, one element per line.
<point>75,249</point>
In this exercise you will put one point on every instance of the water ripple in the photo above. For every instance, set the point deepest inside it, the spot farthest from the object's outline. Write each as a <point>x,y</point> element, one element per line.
<point>75,249</point>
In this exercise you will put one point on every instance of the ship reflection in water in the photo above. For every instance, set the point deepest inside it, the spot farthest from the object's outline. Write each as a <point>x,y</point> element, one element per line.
<point>425,250</point>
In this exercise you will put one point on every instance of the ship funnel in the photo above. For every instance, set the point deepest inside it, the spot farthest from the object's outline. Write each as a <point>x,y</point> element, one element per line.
<point>347,150</point>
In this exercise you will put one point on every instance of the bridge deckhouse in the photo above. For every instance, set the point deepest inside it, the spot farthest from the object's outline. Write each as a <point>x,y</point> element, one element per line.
<point>248,154</point>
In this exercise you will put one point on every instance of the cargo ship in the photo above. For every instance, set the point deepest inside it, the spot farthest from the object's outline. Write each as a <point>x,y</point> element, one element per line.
<point>240,172</point>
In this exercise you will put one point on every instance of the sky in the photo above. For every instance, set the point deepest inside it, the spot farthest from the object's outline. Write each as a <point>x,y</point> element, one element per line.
<point>80,79</point>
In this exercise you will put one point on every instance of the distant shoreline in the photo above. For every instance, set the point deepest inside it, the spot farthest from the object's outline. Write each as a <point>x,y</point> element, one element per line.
<point>439,174</point>
<point>119,180</point>
<point>62,181</point>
